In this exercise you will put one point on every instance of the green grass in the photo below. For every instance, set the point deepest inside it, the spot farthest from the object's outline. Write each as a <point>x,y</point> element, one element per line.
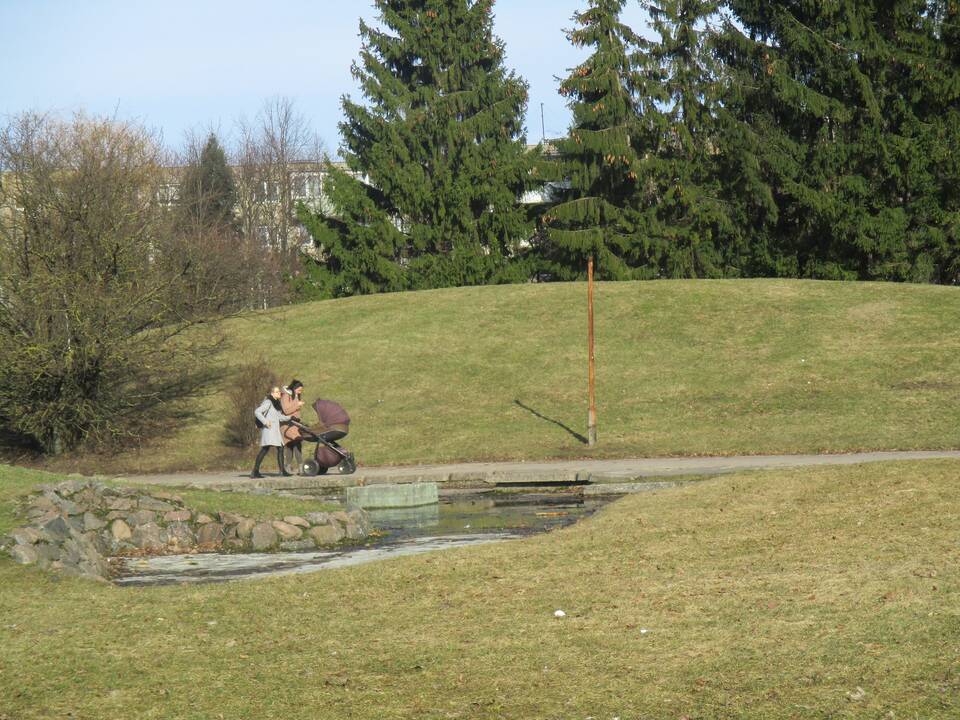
<point>764,595</point>
<point>683,368</point>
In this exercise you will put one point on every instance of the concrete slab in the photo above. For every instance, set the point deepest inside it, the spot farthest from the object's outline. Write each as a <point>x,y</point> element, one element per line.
<point>393,496</point>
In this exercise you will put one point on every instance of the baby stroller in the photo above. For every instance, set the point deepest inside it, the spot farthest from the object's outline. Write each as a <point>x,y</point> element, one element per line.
<point>334,425</point>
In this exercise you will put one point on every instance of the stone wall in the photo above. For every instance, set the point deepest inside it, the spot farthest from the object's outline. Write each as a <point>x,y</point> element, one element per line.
<point>76,526</point>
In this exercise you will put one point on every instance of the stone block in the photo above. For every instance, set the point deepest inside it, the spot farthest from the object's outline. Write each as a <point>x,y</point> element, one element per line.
<point>149,536</point>
<point>141,517</point>
<point>180,535</point>
<point>296,520</point>
<point>297,545</point>
<point>318,518</point>
<point>120,503</point>
<point>149,503</point>
<point>92,522</point>
<point>390,496</point>
<point>245,528</point>
<point>326,534</point>
<point>26,536</point>
<point>286,531</point>
<point>55,530</point>
<point>203,519</point>
<point>177,516</point>
<point>48,551</point>
<point>120,530</point>
<point>229,518</point>
<point>24,554</point>
<point>210,534</point>
<point>353,531</point>
<point>263,536</point>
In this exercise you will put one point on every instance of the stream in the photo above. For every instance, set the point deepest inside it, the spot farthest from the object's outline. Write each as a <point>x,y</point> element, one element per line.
<point>459,520</point>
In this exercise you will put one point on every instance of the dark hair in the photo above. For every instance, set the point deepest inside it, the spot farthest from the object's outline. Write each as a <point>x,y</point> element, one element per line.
<point>276,403</point>
<point>294,384</point>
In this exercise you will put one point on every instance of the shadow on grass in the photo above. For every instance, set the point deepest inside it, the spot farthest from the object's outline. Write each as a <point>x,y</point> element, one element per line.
<point>530,410</point>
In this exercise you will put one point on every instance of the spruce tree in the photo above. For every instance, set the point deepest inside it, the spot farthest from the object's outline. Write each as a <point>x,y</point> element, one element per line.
<point>688,218</point>
<point>207,190</point>
<point>436,157</point>
<point>851,108</point>
<point>598,209</point>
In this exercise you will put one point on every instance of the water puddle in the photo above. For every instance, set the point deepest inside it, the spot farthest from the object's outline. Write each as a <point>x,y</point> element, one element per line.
<point>456,521</point>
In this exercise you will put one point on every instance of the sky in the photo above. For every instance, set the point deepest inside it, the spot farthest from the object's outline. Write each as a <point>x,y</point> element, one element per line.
<point>183,66</point>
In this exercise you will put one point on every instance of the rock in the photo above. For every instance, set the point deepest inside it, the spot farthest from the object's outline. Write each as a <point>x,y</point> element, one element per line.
<point>177,516</point>
<point>318,518</point>
<point>149,536</point>
<point>120,503</point>
<point>180,535</point>
<point>245,528</point>
<point>24,554</point>
<point>235,544</point>
<point>340,516</point>
<point>48,552</point>
<point>70,487</point>
<point>89,499</point>
<point>40,505</point>
<point>56,530</point>
<point>92,522</point>
<point>362,519</point>
<point>286,531</point>
<point>203,518</point>
<point>114,514</point>
<point>43,518</point>
<point>26,536</point>
<point>296,520</point>
<point>210,534</point>
<point>128,492</point>
<point>68,507</point>
<point>326,534</point>
<point>161,495</point>
<point>141,517</point>
<point>149,503</point>
<point>353,531</point>
<point>120,530</point>
<point>228,518</point>
<point>297,545</point>
<point>229,531</point>
<point>263,536</point>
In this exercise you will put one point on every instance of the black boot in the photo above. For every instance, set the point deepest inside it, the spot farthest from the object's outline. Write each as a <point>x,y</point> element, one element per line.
<point>256,465</point>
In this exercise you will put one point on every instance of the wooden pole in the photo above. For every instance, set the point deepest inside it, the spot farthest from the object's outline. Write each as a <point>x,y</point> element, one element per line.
<point>591,370</point>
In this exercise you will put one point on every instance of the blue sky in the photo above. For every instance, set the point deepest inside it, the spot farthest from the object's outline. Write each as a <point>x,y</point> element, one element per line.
<point>182,65</point>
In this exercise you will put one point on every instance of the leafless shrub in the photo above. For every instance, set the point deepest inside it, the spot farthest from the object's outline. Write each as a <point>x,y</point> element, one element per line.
<point>250,384</point>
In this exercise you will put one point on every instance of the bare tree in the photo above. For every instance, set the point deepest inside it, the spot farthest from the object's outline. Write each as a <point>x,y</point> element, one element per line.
<point>96,294</point>
<point>273,147</point>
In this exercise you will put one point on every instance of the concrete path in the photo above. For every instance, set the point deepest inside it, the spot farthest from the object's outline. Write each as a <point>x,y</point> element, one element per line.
<point>589,471</point>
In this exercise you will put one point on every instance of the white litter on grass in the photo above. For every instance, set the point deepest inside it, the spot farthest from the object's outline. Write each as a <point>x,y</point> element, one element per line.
<point>559,613</point>
<point>643,631</point>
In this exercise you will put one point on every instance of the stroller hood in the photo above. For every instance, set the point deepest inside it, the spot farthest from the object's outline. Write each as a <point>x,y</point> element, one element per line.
<point>330,413</point>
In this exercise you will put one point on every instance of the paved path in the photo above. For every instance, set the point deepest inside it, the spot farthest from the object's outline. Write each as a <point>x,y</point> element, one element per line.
<point>592,471</point>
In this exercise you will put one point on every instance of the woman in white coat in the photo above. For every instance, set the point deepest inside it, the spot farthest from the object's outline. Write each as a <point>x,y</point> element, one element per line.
<point>269,416</point>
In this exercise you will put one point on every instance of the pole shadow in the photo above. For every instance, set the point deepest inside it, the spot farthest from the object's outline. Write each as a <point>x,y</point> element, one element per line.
<point>530,410</point>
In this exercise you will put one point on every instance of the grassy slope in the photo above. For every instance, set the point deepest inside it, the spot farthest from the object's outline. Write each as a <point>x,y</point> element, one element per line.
<point>684,368</point>
<point>765,595</point>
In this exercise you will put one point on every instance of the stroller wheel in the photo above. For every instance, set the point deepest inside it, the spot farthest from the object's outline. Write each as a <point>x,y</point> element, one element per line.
<point>348,465</point>
<point>310,468</point>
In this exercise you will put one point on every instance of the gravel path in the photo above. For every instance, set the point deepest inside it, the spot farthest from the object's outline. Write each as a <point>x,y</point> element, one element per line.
<point>594,471</point>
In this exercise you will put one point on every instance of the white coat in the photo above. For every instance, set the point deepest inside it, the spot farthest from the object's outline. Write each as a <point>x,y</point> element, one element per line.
<point>271,432</point>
